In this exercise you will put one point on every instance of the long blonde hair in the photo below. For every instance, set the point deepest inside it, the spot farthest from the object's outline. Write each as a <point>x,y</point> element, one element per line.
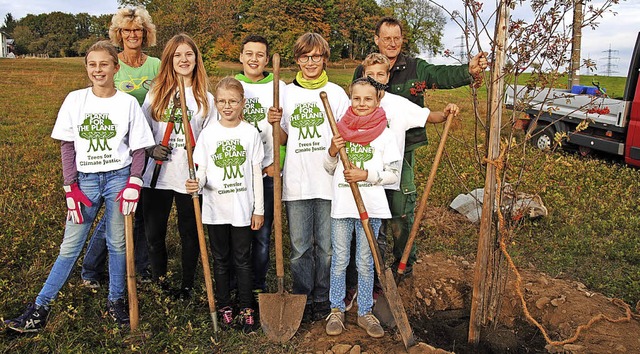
<point>166,83</point>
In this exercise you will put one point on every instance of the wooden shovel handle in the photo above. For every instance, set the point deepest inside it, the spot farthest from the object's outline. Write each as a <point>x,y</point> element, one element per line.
<point>132,291</point>
<point>364,217</point>
<point>204,256</point>
<point>423,201</point>
<point>277,180</point>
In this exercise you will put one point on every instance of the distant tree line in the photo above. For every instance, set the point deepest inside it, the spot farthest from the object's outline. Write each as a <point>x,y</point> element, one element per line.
<point>218,26</point>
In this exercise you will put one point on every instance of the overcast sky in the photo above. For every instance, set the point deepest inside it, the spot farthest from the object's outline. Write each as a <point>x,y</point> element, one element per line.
<point>619,32</point>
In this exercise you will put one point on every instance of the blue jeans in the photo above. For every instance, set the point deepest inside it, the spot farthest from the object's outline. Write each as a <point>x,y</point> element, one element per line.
<point>95,257</point>
<point>102,187</point>
<point>262,239</point>
<point>341,235</point>
<point>310,232</point>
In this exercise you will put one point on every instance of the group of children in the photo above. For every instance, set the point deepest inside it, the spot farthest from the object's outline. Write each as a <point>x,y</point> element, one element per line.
<point>104,135</point>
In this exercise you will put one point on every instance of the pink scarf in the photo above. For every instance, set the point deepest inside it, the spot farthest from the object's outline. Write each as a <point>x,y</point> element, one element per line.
<point>362,129</point>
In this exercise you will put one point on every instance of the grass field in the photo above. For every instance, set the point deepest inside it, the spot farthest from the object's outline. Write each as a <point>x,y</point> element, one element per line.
<point>591,233</point>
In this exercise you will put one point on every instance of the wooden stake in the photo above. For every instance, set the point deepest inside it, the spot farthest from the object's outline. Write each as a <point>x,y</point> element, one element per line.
<point>485,243</point>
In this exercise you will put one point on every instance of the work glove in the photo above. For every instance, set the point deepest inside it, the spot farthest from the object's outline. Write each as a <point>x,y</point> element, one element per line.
<point>75,197</point>
<point>130,195</point>
<point>159,152</point>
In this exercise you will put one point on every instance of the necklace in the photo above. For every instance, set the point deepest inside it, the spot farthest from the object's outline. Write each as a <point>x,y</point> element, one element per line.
<point>134,61</point>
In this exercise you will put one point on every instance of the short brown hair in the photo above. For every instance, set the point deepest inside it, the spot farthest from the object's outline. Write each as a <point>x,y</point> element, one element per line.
<point>308,42</point>
<point>373,59</point>
<point>138,15</point>
<point>389,21</point>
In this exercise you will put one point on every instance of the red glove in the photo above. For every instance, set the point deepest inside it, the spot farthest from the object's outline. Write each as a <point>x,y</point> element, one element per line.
<point>130,195</point>
<point>75,197</point>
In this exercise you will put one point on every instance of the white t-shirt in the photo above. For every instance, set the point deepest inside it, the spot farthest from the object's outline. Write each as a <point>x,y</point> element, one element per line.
<point>175,171</point>
<point>104,130</point>
<point>228,155</point>
<point>402,115</point>
<point>259,97</point>
<point>304,120</point>
<point>382,150</point>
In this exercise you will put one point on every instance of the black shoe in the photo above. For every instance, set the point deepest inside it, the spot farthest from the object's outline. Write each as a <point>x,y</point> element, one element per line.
<point>321,310</point>
<point>33,319</point>
<point>183,294</point>
<point>307,315</point>
<point>145,276</point>
<point>247,321</point>
<point>408,270</point>
<point>119,312</point>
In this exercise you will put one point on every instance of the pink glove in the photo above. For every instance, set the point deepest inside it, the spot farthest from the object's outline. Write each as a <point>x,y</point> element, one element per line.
<point>130,195</point>
<point>75,197</point>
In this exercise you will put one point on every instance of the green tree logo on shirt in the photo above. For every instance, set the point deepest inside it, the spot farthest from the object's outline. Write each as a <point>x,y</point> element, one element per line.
<point>177,127</point>
<point>230,155</point>
<point>307,117</point>
<point>253,112</point>
<point>97,128</point>
<point>359,154</point>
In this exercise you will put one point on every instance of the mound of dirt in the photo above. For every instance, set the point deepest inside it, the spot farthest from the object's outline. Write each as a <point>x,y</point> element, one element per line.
<point>437,300</point>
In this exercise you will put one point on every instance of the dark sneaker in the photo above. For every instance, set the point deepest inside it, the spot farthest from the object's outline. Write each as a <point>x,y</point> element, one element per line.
<point>247,321</point>
<point>349,299</point>
<point>183,294</point>
<point>145,276</point>
<point>321,310</point>
<point>90,283</point>
<point>119,312</point>
<point>33,319</point>
<point>307,315</point>
<point>408,270</point>
<point>226,317</point>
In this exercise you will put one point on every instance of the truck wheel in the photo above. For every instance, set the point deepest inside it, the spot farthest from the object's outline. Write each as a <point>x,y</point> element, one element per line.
<point>542,138</point>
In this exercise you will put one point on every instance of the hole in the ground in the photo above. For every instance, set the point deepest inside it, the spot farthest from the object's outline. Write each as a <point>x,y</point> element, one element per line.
<point>449,330</point>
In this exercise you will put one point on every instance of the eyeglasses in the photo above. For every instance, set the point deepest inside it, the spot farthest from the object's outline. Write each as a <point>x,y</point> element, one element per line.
<point>388,40</point>
<point>314,58</point>
<point>223,103</point>
<point>127,32</point>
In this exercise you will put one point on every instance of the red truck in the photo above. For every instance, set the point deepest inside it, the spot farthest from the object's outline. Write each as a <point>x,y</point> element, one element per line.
<point>613,125</point>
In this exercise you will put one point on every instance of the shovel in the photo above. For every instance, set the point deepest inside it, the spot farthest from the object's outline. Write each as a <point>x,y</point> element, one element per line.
<point>204,256</point>
<point>280,313</point>
<point>131,273</point>
<point>423,201</point>
<point>385,277</point>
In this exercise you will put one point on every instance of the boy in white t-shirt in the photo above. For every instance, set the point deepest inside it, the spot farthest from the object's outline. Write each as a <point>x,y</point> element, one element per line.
<point>258,92</point>
<point>103,134</point>
<point>306,185</point>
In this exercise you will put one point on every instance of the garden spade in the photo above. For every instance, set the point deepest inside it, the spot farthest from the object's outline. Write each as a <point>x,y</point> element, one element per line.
<point>385,277</point>
<point>204,256</point>
<point>280,313</point>
<point>423,201</point>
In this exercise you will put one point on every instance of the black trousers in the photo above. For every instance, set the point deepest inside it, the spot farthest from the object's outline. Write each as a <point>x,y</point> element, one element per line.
<point>156,215</point>
<point>231,250</point>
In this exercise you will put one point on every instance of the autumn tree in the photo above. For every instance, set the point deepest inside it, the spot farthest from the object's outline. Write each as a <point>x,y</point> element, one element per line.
<point>423,24</point>
<point>283,21</point>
